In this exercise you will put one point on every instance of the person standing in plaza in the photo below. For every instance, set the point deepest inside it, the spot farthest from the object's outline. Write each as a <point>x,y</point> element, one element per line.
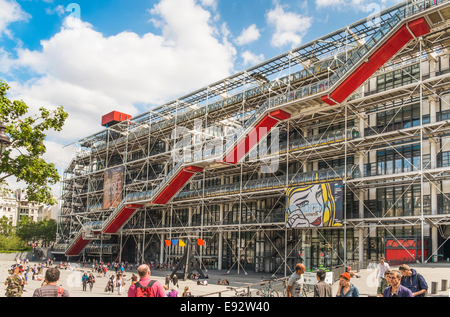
<point>119,284</point>
<point>144,281</point>
<point>413,281</point>
<point>84,280</point>
<point>322,289</point>
<point>396,289</point>
<point>14,284</point>
<point>296,281</point>
<point>112,283</point>
<point>91,281</point>
<point>346,289</point>
<point>51,289</point>
<point>384,284</point>
<point>382,267</point>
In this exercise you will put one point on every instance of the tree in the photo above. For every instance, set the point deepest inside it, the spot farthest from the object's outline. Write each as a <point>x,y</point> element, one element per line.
<point>47,231</point>
<point>27,229</point>
<point>23,159</point>
<point>6,227</point>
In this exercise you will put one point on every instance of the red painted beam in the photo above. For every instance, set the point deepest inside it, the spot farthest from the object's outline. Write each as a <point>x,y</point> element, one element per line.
<point>255,136</point>
<point>396,42</point>
<point>121,218</point>
<point>177,183</point>
<point>193,169</point>
<point>78,247</point>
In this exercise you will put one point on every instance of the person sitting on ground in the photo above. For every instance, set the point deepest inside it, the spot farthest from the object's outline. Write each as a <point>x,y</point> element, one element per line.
<point>186,292</point>
<point>352,273</point>
<point>173,292</point>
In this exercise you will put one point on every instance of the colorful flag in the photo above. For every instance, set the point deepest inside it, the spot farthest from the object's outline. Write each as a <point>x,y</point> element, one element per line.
<point>201,242</point>
<point>174,241</point>
<point>167,242</point>
<point>182,244</point>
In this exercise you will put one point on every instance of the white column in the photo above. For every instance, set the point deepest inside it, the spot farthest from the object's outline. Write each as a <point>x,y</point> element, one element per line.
<point>220,255</point>
<point>433,193</point>
<point>432,100</point>
<point>161,249</point>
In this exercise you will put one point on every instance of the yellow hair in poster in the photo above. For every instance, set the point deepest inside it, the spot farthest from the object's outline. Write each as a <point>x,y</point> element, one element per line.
<point>317,205</point>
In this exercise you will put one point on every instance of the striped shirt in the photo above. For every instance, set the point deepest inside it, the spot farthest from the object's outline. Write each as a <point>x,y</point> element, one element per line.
<point>49,291</point>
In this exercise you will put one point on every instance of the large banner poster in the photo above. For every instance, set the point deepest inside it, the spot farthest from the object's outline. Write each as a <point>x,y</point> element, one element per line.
<point>112,187</point>
<point>316,205</point>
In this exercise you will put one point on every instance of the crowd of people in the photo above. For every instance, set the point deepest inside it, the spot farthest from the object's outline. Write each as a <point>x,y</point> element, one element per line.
<point>20,272</point>
<point>404,282</point>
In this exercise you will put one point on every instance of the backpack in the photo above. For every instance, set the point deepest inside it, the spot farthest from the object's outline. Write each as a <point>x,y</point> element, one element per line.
<point>147,291</point>
<point>420,285</point>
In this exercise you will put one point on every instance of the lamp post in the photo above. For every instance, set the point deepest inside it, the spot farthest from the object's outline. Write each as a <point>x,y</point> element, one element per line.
<point>5,141</point>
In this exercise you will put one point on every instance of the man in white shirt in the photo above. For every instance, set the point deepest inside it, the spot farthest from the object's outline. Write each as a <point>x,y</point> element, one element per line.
<point>295,283</point>
<point>381,269</point>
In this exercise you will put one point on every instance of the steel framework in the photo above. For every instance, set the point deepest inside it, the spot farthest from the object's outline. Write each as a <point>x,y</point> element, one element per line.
<point>387,142</point>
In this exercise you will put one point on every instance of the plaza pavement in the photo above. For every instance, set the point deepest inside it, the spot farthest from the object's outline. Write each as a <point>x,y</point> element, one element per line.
<point>71,280</point>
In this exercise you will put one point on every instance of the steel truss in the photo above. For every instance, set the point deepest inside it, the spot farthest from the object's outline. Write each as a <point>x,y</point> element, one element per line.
<point>247,225</point>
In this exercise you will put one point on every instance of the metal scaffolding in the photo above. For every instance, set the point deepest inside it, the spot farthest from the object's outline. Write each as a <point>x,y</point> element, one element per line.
<point>388,143</point>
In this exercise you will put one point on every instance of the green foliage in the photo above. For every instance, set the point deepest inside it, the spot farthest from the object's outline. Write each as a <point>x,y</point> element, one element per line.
<point>27,135</point>
<point>6,227</point>
<point>13,243</point>
<point>44,230</point>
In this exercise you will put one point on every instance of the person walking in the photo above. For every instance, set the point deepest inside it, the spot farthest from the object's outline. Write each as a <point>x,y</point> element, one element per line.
<point>413,281</point>
<point>154,288</point>
<point>346,289</point>
<point>51,289</point>
<point>91,281</point>
<point>119,284</point>
<point>322,289</point>
<point>382,267</point>
<point>84,280</point>
<point>167,280</point>
<point>396,289</point>
<point>175,281</point>
<point>296,281</point>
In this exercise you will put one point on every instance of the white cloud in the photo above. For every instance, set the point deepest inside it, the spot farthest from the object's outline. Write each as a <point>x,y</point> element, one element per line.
<point>290,27</point>
<point>248,35</point>
<point>59,10</point>
<point>209,3</point>
<point>10,11</point>
<point>251,59</point>
<point>91,74</point>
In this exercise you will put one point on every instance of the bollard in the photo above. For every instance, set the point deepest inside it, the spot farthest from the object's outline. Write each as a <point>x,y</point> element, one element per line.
<point>444,285</point>
<point>434,288</point>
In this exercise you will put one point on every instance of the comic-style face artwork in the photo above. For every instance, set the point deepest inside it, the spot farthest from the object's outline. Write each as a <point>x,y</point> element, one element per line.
<point>317,205</point>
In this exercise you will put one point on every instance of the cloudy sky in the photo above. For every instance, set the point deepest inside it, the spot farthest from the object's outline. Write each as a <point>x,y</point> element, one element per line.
<point>93,57</point>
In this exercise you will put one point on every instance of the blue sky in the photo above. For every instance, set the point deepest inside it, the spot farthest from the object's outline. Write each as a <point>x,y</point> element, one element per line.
<point>131,56</point>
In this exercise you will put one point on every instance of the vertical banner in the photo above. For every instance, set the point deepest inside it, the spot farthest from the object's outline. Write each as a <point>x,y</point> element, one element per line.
<point>316,205</point>
<point>112,187</point>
